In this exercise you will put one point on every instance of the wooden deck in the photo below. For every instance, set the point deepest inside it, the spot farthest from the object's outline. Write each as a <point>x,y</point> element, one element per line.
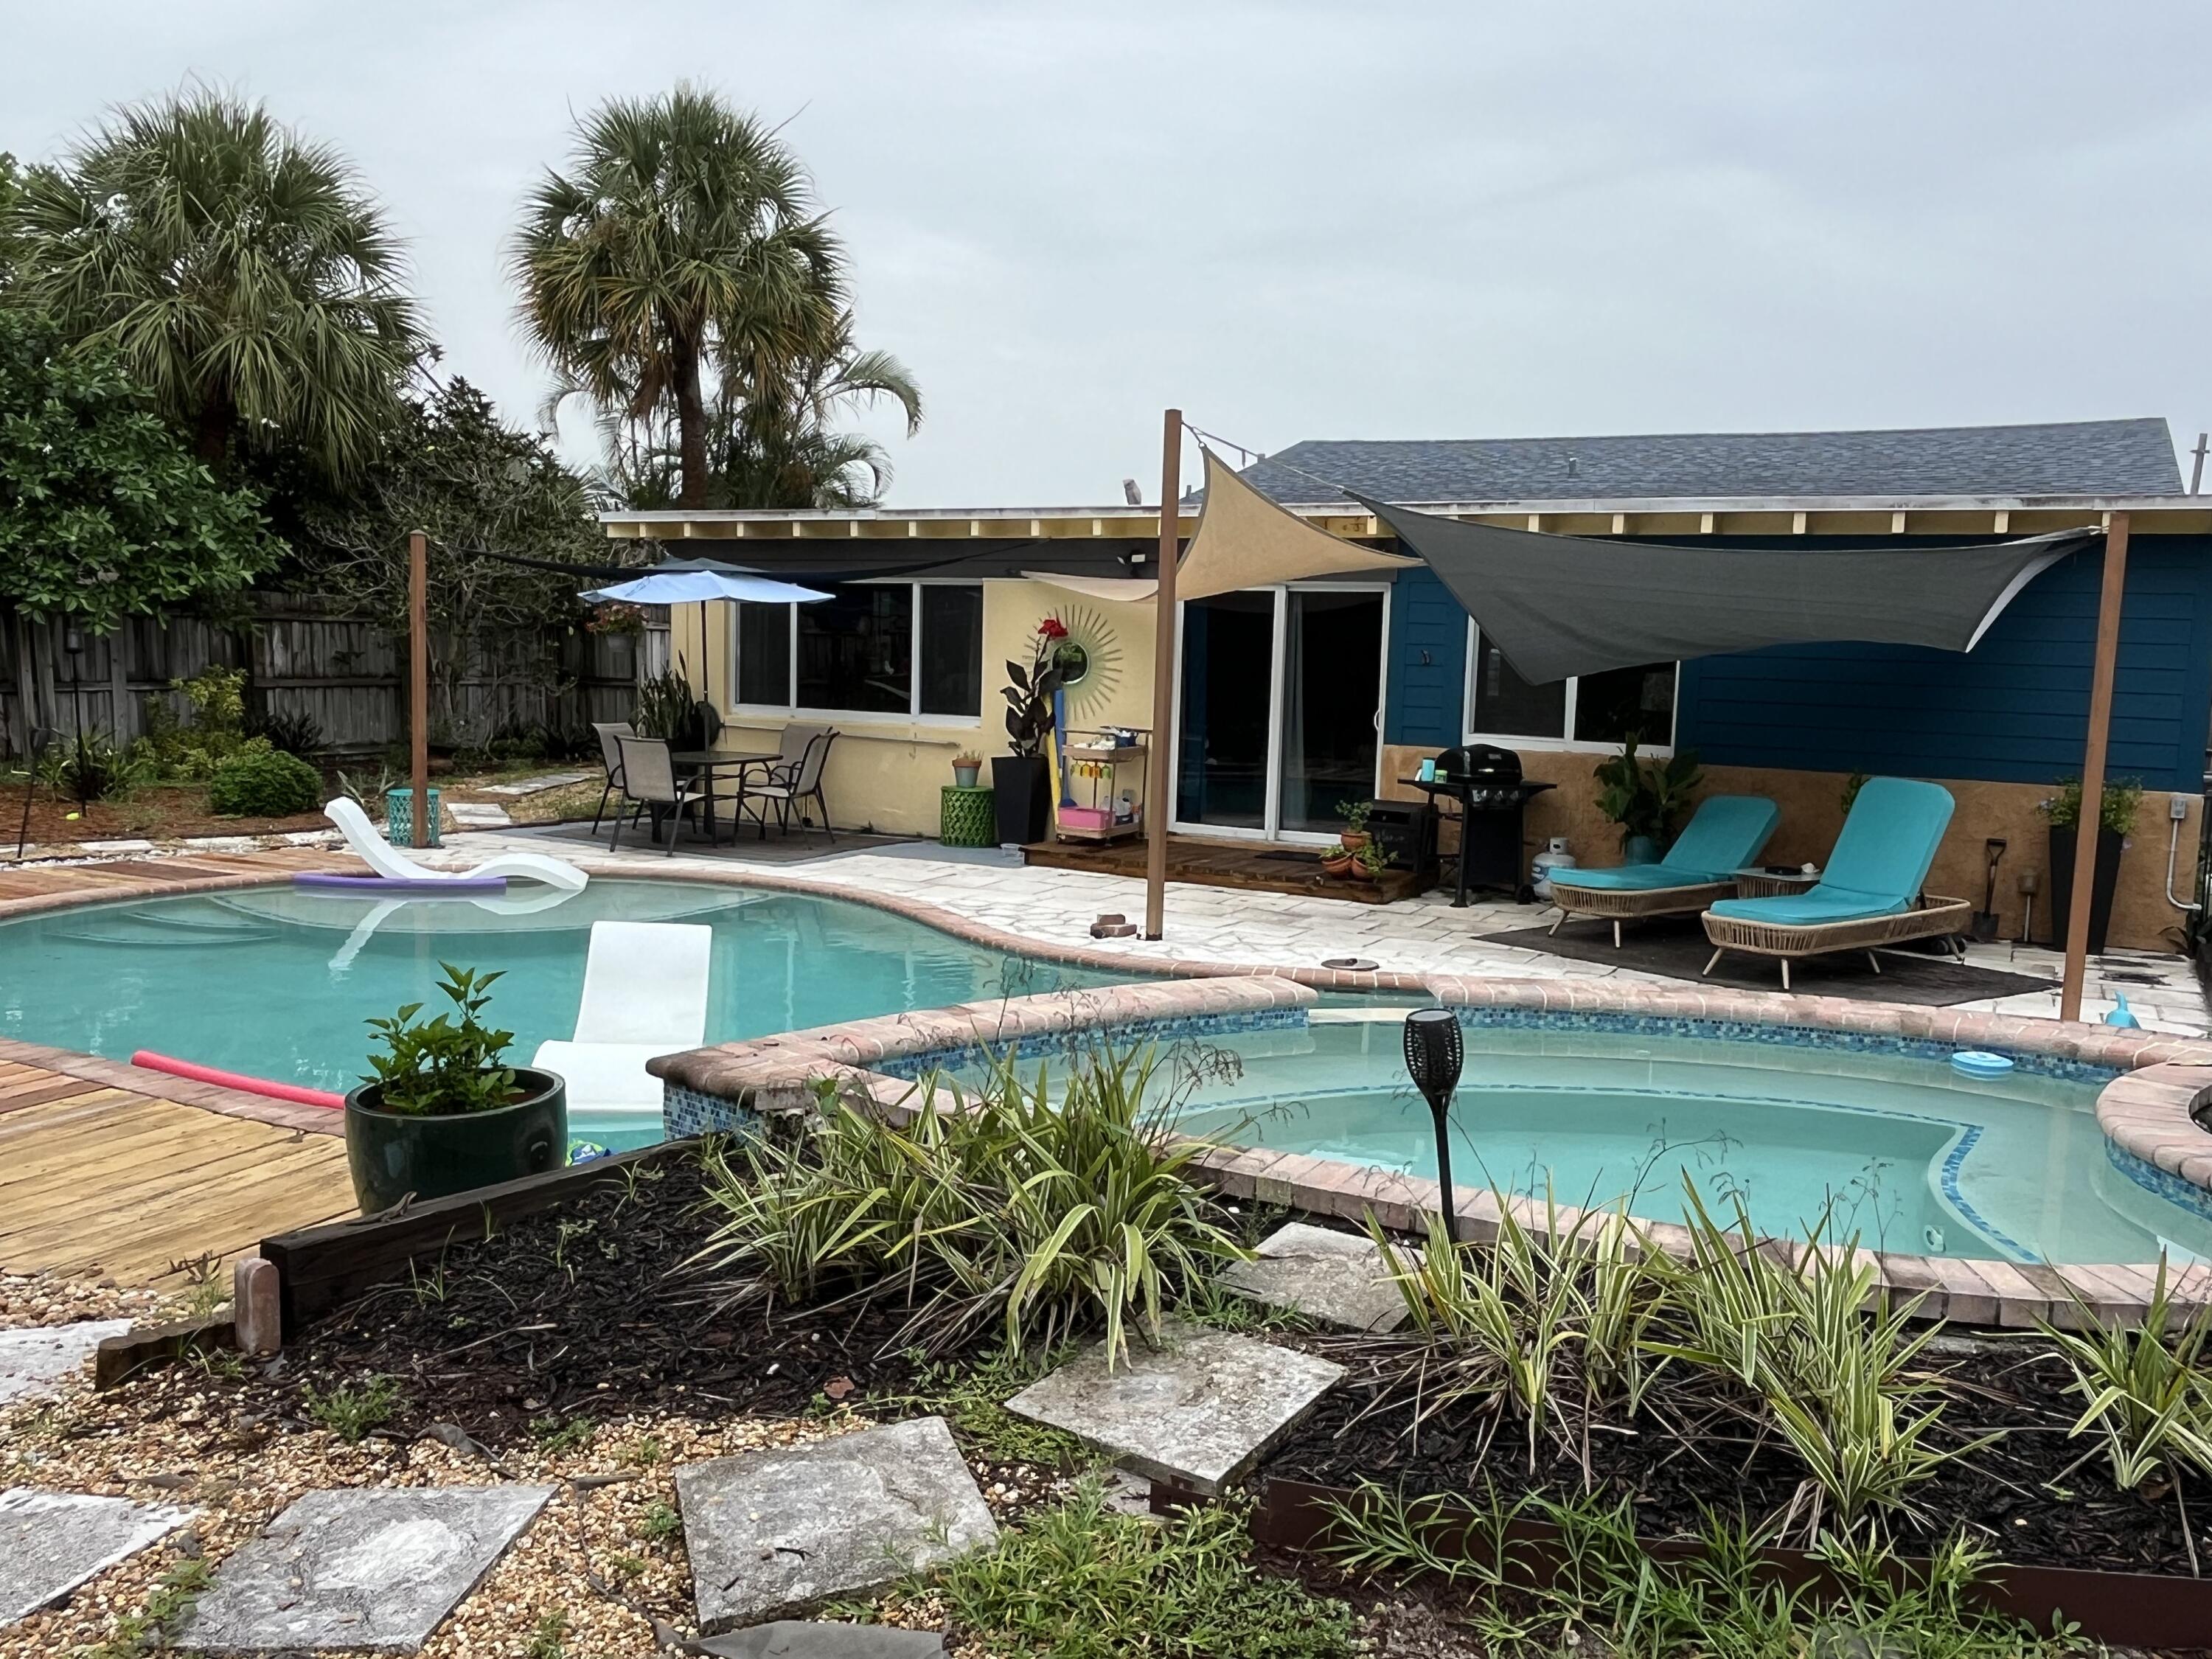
<point>110,1171</point>
<point>1261,867</point>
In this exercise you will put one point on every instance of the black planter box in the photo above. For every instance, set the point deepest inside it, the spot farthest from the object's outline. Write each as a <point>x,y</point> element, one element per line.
<point>1022,793</point>
<point>2105,878</point>
<point>393,1155</point>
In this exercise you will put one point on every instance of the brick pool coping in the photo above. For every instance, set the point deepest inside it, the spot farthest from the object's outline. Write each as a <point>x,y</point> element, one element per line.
<point>2144,1112</point>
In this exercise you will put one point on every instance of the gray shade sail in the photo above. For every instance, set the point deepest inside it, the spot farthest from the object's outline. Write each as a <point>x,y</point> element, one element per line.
<point>1561,606</point>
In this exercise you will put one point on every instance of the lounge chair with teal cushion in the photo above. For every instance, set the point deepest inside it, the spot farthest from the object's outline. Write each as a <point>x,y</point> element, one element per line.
<point>1869,895</point>
<point>1726,834</point>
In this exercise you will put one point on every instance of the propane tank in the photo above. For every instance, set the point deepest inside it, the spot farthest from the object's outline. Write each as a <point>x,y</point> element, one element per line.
<point>1554,856</point>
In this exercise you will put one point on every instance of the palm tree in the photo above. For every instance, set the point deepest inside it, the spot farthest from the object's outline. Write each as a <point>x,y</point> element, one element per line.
<point>684,236</point>
<point>241,273</point>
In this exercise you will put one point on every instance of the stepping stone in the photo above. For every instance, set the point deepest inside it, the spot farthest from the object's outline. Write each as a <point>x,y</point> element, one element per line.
<point>1337,1278</point>
<point>787,1639</point>
<point>778,1530</point>
<point>1195,1414</point>
<point>129,846</point>
<point>53,1541</point>
<point>538,784</point>
<point>36,1360</point>
<point>375,1569</point>
<point>477,815</point>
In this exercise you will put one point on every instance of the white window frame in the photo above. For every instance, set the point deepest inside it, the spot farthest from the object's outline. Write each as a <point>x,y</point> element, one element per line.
<point>790,709</point>
<point>1559,745</point>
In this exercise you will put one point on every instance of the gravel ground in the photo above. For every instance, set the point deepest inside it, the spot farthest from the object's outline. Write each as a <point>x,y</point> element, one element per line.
<point>48,1299</point>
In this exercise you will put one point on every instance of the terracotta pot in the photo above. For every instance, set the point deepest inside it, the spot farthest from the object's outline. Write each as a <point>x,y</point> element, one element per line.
<point>1353,840</point>
<point>1341,865</point>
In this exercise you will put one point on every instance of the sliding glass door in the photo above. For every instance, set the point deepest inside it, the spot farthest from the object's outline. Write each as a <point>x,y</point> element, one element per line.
<point>1280,708</point>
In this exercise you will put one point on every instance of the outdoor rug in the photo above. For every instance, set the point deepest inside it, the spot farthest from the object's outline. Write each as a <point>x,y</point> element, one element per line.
<point>1678,948</point>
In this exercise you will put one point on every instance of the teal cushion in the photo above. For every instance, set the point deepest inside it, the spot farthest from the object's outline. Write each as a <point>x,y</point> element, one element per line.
<point>1890,839</point>
<point>1811,908</point>
<point>1727,833</point>
<point>1635,878</point>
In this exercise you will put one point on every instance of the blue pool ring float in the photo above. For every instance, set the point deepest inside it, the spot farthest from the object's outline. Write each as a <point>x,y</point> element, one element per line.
<point>1978,1062</point>
<point>584,1151</point>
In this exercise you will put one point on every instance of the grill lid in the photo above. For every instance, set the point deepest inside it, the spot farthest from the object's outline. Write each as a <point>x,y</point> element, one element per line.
<point>1481,763</point>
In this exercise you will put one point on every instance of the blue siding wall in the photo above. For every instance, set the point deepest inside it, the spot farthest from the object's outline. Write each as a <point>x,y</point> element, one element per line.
<point>2015,709</point>
<point>1428,663</point>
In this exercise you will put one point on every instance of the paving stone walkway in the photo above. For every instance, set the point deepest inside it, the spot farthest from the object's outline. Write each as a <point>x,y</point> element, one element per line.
<point>1338,1279</point>
<point>53,1541</point>
<point>36,1360</point>
<point>537,784</point>
<point>780,1530</point>
<point>1195,1413</point>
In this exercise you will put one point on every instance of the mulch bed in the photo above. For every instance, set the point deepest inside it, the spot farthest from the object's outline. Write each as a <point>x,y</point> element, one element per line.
<point>161,813</point>
<point>591,1309</point>
<point>1690,1452</point>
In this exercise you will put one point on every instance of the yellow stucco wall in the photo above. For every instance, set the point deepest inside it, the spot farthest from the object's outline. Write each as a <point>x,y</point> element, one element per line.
<point>1812,816</point>
<point>885,771</point>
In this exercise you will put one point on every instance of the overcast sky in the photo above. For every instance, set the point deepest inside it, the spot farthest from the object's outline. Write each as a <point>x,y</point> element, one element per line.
<point>1340,220</point>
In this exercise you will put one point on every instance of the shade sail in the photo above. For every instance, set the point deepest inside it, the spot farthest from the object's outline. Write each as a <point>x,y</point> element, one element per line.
<point>1121,590</point>
<point>1561,606</point>
<point>665,585</point>
<point>1245,540</point>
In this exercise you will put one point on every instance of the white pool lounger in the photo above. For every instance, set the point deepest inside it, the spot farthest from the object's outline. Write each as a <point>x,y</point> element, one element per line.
<point>368,842</point>
<point>645,994</point>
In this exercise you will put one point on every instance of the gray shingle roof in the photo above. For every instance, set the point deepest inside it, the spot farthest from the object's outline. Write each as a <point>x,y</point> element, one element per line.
<point>2072,457</point>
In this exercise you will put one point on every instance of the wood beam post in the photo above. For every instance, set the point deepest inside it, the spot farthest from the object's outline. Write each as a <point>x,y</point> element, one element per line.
<point>1157,781</point>
<point>2109,601</point>
<point>418,681</point>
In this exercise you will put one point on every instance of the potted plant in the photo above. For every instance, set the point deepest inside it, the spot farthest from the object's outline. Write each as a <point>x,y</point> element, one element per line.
<point>442,1111</point>
<point>1338,861</point>
<point>2123,803</point>
<point>965,768</point>
<point>1370,861</point>
<point>1022,792</point>
<point>1355,814</point>
<point>1646,799</point>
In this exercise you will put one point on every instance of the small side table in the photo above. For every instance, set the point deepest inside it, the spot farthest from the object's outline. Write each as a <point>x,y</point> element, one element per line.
<point>967,815</point>
<point>1769,883</point>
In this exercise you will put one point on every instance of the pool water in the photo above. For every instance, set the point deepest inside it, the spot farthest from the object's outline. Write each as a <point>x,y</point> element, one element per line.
<point>276,981</point>
<point>1902,1152</point>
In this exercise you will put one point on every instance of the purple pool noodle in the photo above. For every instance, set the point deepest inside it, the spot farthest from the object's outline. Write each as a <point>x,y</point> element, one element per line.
<point>385,884</point>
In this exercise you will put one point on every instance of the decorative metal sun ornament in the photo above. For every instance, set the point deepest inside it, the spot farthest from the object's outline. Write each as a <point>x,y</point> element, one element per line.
<point>1091,657</point>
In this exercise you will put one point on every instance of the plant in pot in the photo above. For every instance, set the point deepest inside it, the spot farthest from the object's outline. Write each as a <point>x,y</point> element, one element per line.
<point>441,1111</point>
<point>1022,791</point>
<point>2116,822</point>
<point>1646,799</point>
<point>1369,863</point>
<point>965,768</point>
<point>1355,814</point>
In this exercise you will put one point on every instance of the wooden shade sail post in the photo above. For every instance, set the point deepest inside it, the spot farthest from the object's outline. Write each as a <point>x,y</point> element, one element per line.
<point>418,684</point>
<point>1156,780</point>
<point>2109,601</point>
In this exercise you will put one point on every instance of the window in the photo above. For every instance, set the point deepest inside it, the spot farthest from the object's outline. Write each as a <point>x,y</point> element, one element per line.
<point>898,648</point>
<point>1594,711</point>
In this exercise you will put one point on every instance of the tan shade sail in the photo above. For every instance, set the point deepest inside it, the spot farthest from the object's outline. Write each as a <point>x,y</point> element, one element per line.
<point>1119,590</point>
<point>1244,540</point>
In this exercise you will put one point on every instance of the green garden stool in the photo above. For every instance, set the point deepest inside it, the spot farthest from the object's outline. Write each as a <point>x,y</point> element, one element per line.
<point>967,817</point>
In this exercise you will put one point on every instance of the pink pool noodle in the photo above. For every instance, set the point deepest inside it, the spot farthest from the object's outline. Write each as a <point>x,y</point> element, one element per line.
<point>253,1085</point>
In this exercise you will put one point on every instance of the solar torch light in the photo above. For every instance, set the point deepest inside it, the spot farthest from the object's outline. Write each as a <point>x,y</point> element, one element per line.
<point>1433,1056</point>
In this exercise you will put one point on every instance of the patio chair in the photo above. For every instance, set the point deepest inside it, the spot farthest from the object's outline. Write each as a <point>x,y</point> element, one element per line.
<point>645,994</point>
<point>649,783</point>
<point>785,787</point>
<point>611,757</point>
<point>790,750</point>
<point>1726,833</point>
<point>1869,895</point>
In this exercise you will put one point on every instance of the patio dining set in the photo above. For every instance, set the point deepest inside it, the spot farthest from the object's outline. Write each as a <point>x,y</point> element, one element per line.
<point>649,778</point>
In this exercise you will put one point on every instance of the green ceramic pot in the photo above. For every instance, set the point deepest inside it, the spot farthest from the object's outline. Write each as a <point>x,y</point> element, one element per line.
<point>392,1154</point>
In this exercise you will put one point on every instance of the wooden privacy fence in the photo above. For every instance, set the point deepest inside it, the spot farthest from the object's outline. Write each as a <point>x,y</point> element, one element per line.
<point>304,656</point>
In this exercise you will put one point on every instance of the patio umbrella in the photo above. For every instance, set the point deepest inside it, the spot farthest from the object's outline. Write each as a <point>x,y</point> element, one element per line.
<point>701,582</point>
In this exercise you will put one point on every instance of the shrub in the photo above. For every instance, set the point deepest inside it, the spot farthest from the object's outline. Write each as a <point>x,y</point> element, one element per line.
<point>91,767</point>
<point>2121,806</point>
<point>2148,1391</point>
<point>264,783</point>
<point>217,731</point>
<point>1049,1211</point>
<point>295,733</point>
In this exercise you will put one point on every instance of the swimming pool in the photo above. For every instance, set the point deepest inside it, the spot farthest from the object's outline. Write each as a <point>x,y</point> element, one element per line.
<point>1895,1147</point>
<point>275,981</point>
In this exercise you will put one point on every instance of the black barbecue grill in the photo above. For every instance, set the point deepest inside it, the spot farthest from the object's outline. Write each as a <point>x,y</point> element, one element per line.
<point>1485,781</point>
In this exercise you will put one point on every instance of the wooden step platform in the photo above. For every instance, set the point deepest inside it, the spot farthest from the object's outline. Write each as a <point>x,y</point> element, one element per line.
<point>1261,867</point>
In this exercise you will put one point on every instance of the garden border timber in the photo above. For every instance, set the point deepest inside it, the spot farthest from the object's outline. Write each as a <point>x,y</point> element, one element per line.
<point>2135,1609</point>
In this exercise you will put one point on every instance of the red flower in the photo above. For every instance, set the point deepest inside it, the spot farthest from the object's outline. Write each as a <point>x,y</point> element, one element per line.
<point>1052,628</point>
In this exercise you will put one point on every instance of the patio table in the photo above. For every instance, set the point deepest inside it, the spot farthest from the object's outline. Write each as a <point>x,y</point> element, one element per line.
<point>711,761</point>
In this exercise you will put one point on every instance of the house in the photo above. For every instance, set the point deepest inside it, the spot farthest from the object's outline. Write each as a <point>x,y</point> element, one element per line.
<point>1296,697</point>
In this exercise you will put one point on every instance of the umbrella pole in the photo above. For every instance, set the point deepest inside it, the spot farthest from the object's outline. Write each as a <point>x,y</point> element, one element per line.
<point>1156,781</point>
<point>2093,766</point>
<point>418,682</point>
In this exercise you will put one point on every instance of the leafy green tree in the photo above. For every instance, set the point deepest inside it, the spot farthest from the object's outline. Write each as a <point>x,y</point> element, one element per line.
<point>103,512</point>
<point>680,276</point>
<point>239,271</point>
